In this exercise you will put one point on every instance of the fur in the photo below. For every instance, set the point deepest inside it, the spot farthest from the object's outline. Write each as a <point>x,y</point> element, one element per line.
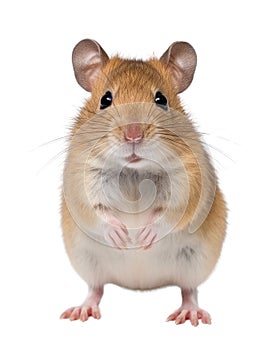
<point>181,177</point>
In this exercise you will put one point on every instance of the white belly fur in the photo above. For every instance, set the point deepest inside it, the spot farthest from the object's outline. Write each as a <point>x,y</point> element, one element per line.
<point>177,259</point>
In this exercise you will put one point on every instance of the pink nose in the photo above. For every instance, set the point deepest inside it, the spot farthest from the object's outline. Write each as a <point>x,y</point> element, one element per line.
<point>133,133</point>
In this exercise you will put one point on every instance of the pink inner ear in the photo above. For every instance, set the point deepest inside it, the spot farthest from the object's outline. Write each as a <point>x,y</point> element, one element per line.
<point>90,74</point>
<point>177,75</point>
<point>180,58</point>
<point>88,57</point>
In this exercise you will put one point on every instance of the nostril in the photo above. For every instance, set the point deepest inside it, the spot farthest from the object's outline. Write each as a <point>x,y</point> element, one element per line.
<point>133,133</point>
<point>135,139</point>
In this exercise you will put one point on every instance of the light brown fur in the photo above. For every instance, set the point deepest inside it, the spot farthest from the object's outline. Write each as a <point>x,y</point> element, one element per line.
<point>131,76</point>
<point>132,82</point>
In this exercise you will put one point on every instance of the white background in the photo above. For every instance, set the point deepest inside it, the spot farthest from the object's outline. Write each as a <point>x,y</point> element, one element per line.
<point>234,98</point>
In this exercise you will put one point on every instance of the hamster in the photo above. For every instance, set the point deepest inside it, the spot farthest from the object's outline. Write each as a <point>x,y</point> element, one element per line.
<point>141,206</point>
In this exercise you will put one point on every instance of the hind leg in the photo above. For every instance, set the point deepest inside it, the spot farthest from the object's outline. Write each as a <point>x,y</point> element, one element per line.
<point>89,308</point>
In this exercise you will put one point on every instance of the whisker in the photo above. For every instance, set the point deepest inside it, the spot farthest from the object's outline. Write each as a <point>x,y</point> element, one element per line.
<point>217,150</point>
<point>172,122</point>
<point>62,138</point>
<point>166,135</point>
<point>54,158</point>
<point>149,115</point>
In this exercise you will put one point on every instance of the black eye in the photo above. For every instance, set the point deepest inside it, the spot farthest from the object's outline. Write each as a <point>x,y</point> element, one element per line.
<point>106,100</point>
<point>160,100</point>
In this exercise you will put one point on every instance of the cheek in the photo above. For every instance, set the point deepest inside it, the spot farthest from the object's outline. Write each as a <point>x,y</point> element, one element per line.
<point>156,150</point>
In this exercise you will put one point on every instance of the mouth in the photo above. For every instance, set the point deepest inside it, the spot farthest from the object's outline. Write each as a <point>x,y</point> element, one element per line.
<point>133,158</point>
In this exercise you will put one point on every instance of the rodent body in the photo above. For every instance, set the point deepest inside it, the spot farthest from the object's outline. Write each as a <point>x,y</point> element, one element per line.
<point>141,207</point>
<point>178,259</point>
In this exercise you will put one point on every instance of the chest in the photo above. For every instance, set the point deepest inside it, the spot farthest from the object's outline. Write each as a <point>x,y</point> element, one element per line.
<point>140,189</point>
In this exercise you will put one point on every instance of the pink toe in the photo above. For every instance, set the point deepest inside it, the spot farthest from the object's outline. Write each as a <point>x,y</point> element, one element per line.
<point>67,313</point>
<point>151,242</point>
<point>95,314</point>
<point>171,317</point>
<point>75,315</point>
<point>206,318</point>
<point>194,318</point>
<point>84,315</point>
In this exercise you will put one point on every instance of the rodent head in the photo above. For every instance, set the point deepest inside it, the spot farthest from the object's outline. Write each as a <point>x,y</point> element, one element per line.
<point>134,99</point>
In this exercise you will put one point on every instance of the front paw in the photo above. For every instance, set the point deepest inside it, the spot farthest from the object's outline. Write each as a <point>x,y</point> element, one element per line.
<point>147,236</point>
<point>116,233</point>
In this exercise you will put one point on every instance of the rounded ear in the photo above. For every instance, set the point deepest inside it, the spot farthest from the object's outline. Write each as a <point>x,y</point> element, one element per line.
<point>181,60</point>
<point>88,58</point>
